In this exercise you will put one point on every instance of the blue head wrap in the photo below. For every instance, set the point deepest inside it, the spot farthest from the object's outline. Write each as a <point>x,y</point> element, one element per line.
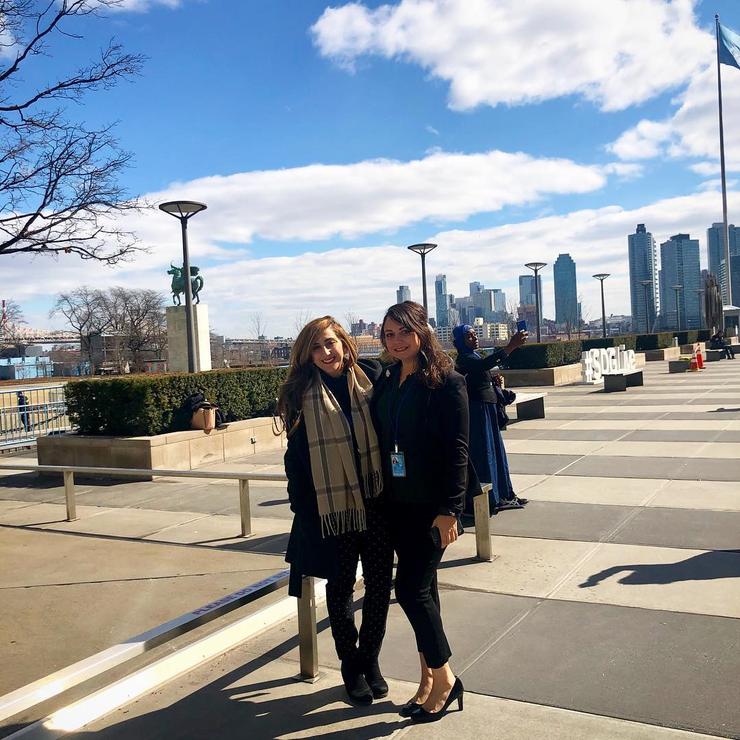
<point>458,338</point>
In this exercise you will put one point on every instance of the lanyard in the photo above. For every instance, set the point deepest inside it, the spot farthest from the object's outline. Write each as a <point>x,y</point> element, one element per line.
<point>402,398</point>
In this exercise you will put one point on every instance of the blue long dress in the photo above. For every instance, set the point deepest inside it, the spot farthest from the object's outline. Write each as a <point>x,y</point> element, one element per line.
<point>486,444</point>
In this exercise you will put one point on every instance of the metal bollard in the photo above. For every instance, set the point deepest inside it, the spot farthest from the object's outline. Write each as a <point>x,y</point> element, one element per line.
<point>244,507</point>
<point>69,495</point>
<point>482,525</point>
<point>307,638</point>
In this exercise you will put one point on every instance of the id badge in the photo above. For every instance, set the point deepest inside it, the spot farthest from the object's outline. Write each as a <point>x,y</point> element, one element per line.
<point>398,465</point>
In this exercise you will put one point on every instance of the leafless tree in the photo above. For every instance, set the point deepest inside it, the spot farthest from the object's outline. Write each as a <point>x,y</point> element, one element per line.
<point>59,189</point>
<point>85,311</point>
<point>258,324</point>
<point>350,318</point>
<point>12,323</point>
<point>133,319</point>
<point>302,317</point>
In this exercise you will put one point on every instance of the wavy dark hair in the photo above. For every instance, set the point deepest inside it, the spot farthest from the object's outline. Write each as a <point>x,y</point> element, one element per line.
<point>434,363</point>
<point>301,372</point>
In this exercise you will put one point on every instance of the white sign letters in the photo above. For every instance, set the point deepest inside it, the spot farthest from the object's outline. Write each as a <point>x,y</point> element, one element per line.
<point>598,362</point>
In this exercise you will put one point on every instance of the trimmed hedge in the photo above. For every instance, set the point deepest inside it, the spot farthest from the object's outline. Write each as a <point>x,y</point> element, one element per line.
<point>545,354</point>
<point>628,340</point>
<point>144,405</point>
<point>654,341</point>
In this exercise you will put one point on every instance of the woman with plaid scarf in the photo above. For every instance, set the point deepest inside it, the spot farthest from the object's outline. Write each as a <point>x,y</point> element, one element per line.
<point>335,478</point>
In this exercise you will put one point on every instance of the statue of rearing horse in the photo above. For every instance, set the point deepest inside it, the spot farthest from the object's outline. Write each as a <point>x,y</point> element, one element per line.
<point>178,283</point>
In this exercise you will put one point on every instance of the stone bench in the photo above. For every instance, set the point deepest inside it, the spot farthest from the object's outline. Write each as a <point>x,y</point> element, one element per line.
<point>622,380</point>
<point>679,366</point>
<point>714,355</point>
<point>530,406</point>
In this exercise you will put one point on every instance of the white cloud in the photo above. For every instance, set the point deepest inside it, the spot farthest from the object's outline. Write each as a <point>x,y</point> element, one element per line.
<point>324,201</point>
<point>364,279</point>
<point>644,141</point>
<point>693,129</point>
<point>431,130</point>
<point>615,53</point>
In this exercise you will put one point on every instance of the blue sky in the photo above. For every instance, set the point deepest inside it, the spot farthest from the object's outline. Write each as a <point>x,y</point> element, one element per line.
<point>324,138</point>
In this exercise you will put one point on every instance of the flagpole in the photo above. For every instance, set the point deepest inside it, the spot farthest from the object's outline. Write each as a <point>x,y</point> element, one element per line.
<point>725,234</point>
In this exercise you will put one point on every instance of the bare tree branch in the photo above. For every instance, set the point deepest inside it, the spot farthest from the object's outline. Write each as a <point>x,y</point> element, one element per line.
<point>59,180</point>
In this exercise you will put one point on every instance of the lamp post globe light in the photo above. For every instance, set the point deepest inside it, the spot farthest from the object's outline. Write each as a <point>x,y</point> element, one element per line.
<point>677,288</point>
<point>536,267</point>
<point>185,210</point>
<point>601,277</point>
<point>645,285</point>
<point>422,250</point>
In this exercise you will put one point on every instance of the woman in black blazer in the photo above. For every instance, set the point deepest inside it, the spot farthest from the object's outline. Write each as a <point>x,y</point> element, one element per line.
<point>421,411</point>
<point>335,479</point>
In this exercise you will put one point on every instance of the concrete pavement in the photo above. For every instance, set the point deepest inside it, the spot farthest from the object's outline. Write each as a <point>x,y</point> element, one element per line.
<point>611,609</point>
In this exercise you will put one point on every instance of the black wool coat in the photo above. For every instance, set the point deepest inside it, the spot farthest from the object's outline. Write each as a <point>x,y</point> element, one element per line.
<point>308,553</point>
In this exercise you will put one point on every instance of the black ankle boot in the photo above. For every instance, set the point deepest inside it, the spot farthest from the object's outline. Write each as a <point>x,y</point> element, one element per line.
<point>375,680</point>
<point>355,683</point>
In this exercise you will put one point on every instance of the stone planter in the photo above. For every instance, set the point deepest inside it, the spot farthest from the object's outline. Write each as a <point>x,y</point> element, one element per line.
<point>563,375</point>
<point>174,451</point>
<point>661,355</point>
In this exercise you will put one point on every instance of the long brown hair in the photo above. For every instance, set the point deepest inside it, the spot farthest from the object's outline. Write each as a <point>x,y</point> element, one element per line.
<point>434,363</point>
<point>302,369</point>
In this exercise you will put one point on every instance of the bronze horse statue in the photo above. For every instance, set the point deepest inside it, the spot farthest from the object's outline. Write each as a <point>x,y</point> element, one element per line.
<point>178,283</point>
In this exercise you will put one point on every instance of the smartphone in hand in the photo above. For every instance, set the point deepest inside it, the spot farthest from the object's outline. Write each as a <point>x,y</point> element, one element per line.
<point>521,325</point>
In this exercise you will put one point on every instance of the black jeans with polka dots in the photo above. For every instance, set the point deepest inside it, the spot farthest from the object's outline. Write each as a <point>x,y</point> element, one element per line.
<point>373,548</point>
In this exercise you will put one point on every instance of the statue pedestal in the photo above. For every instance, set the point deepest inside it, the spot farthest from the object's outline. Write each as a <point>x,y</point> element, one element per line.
<point>177,338</point>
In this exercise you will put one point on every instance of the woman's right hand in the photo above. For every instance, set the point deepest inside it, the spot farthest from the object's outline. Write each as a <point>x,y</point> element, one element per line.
<point>516,341</point>
<point>447,526</point>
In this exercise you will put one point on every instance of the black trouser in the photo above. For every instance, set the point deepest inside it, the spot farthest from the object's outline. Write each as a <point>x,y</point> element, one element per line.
<point>373,547</point>
<point>416,580</point>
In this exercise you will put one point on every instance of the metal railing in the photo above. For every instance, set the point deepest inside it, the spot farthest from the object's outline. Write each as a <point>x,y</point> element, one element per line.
<point>50,686</point>
<point>30,412</point>
<point>481,508</point>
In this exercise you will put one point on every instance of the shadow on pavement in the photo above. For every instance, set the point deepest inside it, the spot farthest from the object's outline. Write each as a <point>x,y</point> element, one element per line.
<point>222,709</point>
<point>704,567</point>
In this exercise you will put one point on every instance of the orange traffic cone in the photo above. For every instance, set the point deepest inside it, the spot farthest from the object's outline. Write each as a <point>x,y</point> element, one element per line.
<point>699,359</point>
<point>693,365</point>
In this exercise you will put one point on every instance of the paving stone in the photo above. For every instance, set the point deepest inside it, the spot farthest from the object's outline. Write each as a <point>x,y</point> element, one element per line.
<point>662,667</point>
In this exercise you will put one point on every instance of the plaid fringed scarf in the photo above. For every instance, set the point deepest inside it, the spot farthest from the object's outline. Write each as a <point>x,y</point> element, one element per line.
<point>333,467</point>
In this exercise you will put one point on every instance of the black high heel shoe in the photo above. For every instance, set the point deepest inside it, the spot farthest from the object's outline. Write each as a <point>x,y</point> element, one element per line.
<point>456,692</point>
<point>409,708</point>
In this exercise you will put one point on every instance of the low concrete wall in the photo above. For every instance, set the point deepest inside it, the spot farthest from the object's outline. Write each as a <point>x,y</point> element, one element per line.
<point>563,375</point>
<point>661,355</point>
<point>173,451</point>
<point>687,349</point>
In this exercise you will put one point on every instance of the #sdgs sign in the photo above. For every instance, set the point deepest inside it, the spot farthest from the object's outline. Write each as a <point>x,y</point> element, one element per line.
<point>598,362</point>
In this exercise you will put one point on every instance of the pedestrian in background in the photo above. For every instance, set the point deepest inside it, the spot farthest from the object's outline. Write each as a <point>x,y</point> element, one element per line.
<point>487,449</point>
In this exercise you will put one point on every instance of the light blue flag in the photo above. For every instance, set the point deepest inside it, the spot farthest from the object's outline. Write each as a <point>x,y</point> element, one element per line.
<point>729,47</point>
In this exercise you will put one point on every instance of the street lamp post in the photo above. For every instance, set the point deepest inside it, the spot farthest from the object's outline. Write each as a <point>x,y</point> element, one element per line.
<point>601,277</point>
<point>645,285</point>
<point>536,267</point>
<point>700,294</point>
<point>184,210</point>
<point>422,250</point>
<point>678,289</point>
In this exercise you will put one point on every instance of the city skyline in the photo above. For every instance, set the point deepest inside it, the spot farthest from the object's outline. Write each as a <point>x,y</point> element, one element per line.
<point>294,203</point>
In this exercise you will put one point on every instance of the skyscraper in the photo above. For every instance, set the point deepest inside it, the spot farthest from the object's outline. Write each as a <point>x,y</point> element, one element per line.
<point>499,300</point>
<point>679,265</point>
<point>643,266</point>
<point>442,300</point>
<point>403,294</point>
<point>566,291</point>
<point>716,251</point>
<point>527,291</point>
